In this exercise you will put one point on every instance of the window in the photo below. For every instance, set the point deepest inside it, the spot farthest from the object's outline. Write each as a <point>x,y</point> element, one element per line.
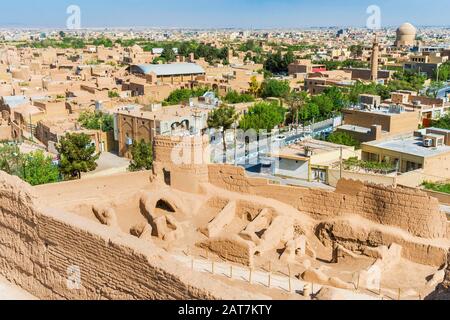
<point>167,177</point>
<point>411,166</point>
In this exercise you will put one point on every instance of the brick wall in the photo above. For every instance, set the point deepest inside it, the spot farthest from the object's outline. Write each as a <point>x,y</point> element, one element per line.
<point>38,245</point>
<point>409,209</point>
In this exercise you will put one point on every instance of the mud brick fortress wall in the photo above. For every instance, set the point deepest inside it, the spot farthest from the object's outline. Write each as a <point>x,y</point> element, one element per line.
<point>409,209</point>
<point>37,246</point>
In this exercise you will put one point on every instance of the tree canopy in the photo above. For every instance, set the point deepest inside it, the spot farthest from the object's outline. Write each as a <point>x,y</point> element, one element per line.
<point>34,168</point>
<point>96,121</point>
<point>236,97</point>
<point>443,122</point>
<point>278,63</point>
<point>77,155</point>
<point>275,88</point>
<point>343,138</point>
<point>444,72</point>
<point>141,156</point>
<point>179,96</point>
<point>39,169</point>
<point>263,116</point>
<point>222,117</point>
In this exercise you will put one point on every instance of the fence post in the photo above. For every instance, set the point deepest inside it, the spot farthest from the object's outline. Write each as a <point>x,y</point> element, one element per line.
<point>270,274</point>
<point>357,283</point>
<point>290,284</point>
<point>307,291</point>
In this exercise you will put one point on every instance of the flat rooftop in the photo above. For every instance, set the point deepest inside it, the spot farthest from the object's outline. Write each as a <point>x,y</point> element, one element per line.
<point>383,109</point>
<point>349,127</point>
<point>409,145</point>
<point>164,114</point>
<point>298,150</point>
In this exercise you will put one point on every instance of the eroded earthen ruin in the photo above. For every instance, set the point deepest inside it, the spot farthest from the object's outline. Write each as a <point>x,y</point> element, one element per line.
<point>126,232</point>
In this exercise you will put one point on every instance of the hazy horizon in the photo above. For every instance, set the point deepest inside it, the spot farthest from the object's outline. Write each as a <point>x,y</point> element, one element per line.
<point>221,14</point>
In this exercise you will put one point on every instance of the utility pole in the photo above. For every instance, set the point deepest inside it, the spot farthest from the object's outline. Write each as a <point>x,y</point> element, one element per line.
<point>340,163</point>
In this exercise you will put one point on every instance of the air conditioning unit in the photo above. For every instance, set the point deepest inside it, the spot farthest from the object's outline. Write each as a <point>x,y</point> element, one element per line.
<point>428,143</point>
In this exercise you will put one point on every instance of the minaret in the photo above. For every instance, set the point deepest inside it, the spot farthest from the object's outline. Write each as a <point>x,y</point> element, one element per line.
<point>374,62</point>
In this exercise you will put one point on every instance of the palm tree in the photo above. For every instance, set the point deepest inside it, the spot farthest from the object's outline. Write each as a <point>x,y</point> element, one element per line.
<point>223,118</point>
<point>295,100</point>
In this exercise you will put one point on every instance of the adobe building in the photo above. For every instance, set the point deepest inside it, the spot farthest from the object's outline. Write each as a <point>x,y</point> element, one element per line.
<point>168,73</point>
<point>50,131</point>
<point>134,123</point>
<point>305,66</point>
<point>429,108</point>
<point>368,123</point>
<point>318,82</point>
<point>366,74</point>
<point>155,91</point>
<point>427,150</point>
<point>310,159</point>
<point>427,63</point>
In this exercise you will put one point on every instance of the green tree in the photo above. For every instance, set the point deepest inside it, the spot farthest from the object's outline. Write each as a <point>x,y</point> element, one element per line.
<point>263,116</point>
<point>356,50</point>
<point>168,54</point>
<point>295,101</point>
<point>278,63</point>
<point>222,118</point>
<point>77,155</point>
<point>443,122</point>
<point>434,88</point>
<point>113,94</point>
<point>236,97</point>
<point>343,138</point>
<point>39,169</point>
<point>407,80</point>
<point>275,88</point>
<point>96,121</point>
<point>141,156</point>
<point>10,159</point>
<point>444,72</point>
<point>183,95</point>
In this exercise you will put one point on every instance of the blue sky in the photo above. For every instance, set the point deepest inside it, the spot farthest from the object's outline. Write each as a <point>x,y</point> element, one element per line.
<point>222,13</point>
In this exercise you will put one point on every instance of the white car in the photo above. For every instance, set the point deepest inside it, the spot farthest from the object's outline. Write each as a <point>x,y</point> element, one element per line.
<point>279,138</point>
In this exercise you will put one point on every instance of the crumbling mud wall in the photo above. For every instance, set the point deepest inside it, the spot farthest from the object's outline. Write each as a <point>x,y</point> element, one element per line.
<point>409,209</point>
<point>231,248</point>
<point>442,292</point>
<point>42,250</point>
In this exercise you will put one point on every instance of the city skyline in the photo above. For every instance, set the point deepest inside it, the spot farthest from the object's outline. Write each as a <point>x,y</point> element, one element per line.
<point>202,14</point>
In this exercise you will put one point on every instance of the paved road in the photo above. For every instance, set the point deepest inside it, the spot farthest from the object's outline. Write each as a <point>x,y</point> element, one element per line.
<point>443,92</point>
<point>252,156</point>
<point>108,164</point>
